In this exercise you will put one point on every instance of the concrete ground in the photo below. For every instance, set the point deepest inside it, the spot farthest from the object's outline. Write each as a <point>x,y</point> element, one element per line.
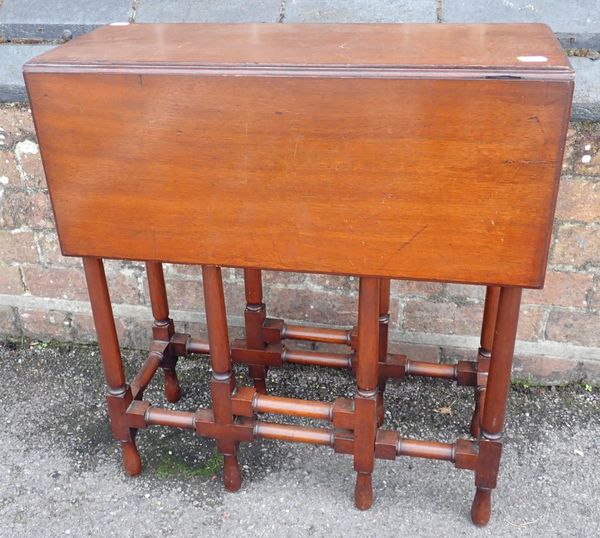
<point>60,471</point>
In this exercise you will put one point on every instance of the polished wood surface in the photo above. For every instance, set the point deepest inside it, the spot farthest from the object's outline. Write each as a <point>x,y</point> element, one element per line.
<point>296,173</point>
<point>303,45</point>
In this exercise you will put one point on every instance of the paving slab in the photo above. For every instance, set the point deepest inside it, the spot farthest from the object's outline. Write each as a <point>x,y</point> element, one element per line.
<point>576,23</point>
<point>60,471</point>
<point>576,16</point>
<point>208,11</point>
<point>12,58</point>
<point>586,100</point>
<point>360,11</point>
<point>44,20</point>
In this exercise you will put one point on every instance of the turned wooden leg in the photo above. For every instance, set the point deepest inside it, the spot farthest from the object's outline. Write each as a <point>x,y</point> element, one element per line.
<point>365,401</point>
<point>384,321</point>
<point>490,311</point>
<point>163,327</point>
<point>223,381</point>
<point>119,394</point>
<point>254,317</point>
<point>496,394</point>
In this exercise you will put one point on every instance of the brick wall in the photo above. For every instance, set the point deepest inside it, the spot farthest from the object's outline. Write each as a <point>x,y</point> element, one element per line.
<point>42,294</point>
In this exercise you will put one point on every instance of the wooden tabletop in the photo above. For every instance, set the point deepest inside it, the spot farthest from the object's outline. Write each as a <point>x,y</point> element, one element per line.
<point>523,47</point>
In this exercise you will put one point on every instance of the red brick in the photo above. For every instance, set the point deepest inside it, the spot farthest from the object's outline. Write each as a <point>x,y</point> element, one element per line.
<point>442,318</point>
<point>579,199</point>
<point>594,297</point>
<point>316,282</point>
<point>16,120</point>
<point>577,245</point>
<point>182,294</point>
<point>561,289</point>
<point>17,247</point>
<point>589,134</point>
<point>46,324</point>
<point>313,306</point>
<point>425,316</point>
<point>33,171</point>
<point>114,266</point>
<point>282,278</point>
<point>31,209</point>
<point>531,320</point>
<point>84,330</point>
<point>51,254</point>
<point>9,175</point>
<point>174,271</point>
<point>123,287</point>
<point>8,322</point>
<point>335,283</point>
<point>567,165</point>
<point>466,291</point>
<point>412,287</point>
<point>198,330</point>
<point>555,370</point>
<point>468,319</point>
<point>579,328</point>
<point>10,280</point>
<point>416,352</point>
<point>450,318</point>
<point>15,125</point>
<point>235,298</point>
<point>394,314</point>
<point>60,283</point>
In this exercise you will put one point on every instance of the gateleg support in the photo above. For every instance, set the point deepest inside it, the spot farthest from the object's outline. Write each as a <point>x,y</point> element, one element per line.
<point>490,312</point>
<point>163,328</point>
<point>254,318</point>
<point>365,401</point>
<point>223,381</point>
<point>119,393</point>
<point>494,411</point>
<point>384,323</point>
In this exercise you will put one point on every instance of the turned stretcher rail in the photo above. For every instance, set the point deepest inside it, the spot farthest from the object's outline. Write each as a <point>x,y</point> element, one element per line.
<point>345,360</point>
<point>317,334</point>
<point>425,449</point>
<point>430,369</point>
<point>263,403</point>
<point>146,372</point>
<point>316,358</point>
<point>197,345</point>
<point>156,416</point>
<point>290,432</point>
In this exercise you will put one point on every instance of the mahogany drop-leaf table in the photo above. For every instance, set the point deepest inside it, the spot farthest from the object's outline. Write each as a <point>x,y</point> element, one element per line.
<point>384,151</point>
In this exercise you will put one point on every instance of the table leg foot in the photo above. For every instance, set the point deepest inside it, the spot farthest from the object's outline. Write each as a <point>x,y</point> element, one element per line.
<point>363,491</point>
<point>131,458</point>
<point>232,477</point>
<point>482,507</point>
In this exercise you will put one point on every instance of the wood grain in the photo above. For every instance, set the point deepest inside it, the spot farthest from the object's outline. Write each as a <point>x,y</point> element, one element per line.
<point>451,180</point>
<point>259,46</point>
